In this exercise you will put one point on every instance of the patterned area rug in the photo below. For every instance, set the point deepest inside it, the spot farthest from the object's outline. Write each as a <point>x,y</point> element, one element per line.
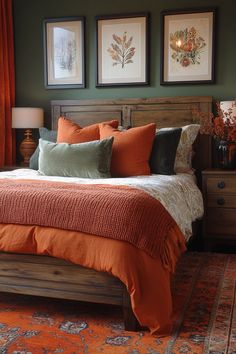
<point>204,317</point>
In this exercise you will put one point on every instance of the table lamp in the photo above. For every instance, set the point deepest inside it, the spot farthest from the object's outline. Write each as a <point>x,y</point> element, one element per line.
<point>228,109</point>
<point>27,118</point>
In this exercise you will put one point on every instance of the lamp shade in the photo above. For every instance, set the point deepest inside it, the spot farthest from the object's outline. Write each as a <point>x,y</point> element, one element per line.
<point>27,117</point>
<point>228,109</point>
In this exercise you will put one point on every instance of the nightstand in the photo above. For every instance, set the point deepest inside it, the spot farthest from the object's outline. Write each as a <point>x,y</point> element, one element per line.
<point>219,193</point>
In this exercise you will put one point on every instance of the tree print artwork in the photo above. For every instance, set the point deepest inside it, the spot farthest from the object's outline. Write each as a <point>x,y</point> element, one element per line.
<point>67,56</point>
<point>65,52</point>
<point>121,51</point>
<point>187,46</point>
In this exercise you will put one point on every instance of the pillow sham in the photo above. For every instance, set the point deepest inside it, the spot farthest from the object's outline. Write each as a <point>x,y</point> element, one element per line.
<point>164,149</point>
<point>183,160</point>
<point>72,133</point>
<point>131,149</point>
<point>84,160</point>
<point>45,134</point>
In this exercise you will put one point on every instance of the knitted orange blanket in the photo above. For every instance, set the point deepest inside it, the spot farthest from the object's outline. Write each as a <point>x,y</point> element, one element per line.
<point>118,212</point>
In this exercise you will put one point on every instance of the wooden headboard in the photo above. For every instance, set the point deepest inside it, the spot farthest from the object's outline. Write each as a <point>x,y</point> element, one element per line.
<point>164,111</point>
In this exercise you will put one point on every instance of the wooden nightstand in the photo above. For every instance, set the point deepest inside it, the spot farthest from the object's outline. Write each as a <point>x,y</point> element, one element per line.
<point>219,192</point>
<point>10,168</point>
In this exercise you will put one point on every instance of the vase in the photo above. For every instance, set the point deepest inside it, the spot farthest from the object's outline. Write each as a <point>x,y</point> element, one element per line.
<point>227,154</point>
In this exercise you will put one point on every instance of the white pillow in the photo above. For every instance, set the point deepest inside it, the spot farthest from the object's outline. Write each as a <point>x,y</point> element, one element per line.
<point>183,159</point>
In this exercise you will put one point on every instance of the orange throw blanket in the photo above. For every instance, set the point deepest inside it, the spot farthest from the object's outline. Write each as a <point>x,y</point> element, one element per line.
<point>119,212</point>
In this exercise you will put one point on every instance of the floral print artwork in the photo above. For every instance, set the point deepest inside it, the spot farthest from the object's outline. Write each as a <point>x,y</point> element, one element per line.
<point>186,45</point>
<point>121,50</point>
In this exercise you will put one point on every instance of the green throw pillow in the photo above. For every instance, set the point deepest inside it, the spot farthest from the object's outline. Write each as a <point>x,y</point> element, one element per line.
<point>45,134</point>
<point>85,160</point>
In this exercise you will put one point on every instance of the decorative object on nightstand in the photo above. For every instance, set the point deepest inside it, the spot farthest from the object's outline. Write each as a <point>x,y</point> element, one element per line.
<point>219,192</point>
<point>222,126</point>
<point>9,168</point>
<point>227,146</point>
<point>27,118</point>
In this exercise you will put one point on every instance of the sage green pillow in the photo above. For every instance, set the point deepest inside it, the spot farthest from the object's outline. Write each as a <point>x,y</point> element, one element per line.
<point>85,160</point>
<point>45,134</point>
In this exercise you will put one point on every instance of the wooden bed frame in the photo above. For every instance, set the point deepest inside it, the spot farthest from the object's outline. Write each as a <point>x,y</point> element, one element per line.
<point>51,277</point>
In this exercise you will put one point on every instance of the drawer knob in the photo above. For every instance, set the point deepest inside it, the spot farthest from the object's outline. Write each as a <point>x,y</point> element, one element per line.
<point>220,201</point>
<point>221,185</point>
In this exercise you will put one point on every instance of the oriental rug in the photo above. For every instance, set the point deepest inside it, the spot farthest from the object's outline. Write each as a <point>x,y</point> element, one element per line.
<point>204,317</point>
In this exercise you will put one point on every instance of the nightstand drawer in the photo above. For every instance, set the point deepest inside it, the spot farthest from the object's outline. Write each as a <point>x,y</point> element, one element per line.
<point>221,201</point>
<point>10,168</point>
<point>221,221</point>
<point>219,193</point>
<point>221,184</point>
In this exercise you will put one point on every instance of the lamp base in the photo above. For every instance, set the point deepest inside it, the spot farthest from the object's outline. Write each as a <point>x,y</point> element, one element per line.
<point>27,147</point>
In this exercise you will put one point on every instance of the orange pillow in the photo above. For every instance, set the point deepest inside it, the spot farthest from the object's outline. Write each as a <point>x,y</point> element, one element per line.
<point>131,149</point>
<point>72,133</point>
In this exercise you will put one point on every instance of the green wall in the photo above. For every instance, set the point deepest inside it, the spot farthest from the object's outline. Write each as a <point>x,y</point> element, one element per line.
<point>28,22</point>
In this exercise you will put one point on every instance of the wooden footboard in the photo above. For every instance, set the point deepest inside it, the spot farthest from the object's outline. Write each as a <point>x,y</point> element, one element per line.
<point>52,277</point>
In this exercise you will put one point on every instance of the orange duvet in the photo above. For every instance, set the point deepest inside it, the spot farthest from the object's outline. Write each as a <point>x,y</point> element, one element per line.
<point>147,279</point>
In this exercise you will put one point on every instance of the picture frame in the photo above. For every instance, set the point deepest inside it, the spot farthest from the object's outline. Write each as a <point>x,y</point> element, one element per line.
<point>122,50</point>
<point>64,53</point>
<point>188,46</point>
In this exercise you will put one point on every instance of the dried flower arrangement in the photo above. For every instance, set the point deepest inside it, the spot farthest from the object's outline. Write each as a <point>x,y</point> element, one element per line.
<point>222,125</point>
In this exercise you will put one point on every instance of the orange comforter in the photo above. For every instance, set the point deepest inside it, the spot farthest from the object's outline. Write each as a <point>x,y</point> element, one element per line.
<point>147,279</point>
<point>120,212</point>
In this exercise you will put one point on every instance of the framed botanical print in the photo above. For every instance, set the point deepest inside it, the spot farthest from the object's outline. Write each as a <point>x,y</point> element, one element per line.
<point>64,55</point>
<point>122,50</point>
<point>188,45</point>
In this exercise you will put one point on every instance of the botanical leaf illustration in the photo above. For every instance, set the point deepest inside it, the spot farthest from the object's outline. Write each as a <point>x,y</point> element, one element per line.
<point>120,50</point>
<point>117,39</point>
<point>127,45</point>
